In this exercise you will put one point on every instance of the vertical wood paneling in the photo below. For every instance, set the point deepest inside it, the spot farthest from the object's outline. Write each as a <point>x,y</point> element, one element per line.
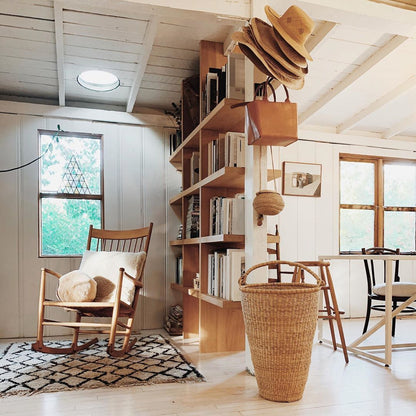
<point>9,206</point>
<point>138,184</point>
<point>154,207</point>
<point>132,199</point>
<point>112,189</point>
<point>29,263</point>
<point>306,211</point>
<point>288,221</point>
<point>324,205</point>
<point>173,181</point>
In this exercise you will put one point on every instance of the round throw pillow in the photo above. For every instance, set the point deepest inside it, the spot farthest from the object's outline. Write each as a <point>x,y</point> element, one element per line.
<point>76,286</point>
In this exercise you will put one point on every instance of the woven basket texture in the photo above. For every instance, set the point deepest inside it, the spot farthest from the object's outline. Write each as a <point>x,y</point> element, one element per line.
<point>280,321</point>
<point>268,202</point>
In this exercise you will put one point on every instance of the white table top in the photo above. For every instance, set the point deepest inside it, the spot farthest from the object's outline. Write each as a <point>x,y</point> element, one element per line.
<point>368,256</point>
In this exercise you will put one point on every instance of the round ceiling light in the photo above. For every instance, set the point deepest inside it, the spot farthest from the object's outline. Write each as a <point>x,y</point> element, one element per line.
<point>98,80</point>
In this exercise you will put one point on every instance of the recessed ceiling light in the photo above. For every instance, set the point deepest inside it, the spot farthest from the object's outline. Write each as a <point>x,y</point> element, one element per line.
<point>98,80</point>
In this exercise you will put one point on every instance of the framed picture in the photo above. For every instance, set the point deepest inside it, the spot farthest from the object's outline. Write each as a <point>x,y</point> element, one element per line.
<point>302,179</point>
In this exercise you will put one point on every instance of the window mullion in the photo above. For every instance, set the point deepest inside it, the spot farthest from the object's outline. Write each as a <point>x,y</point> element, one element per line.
<point>379,202</point>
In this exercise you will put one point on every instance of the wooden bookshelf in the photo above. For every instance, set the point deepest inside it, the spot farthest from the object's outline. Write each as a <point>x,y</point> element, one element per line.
<point>207,316</point>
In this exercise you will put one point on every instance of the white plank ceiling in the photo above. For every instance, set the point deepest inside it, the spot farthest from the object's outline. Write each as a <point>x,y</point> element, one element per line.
<point>362,80</point>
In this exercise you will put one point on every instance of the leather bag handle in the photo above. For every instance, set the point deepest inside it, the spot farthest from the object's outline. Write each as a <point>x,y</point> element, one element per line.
<point>263,86</point>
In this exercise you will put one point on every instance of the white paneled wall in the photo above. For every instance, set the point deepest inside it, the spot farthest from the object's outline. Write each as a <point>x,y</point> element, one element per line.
<point>138,183</point>
<point>308,227</point>
<point>134,192</point>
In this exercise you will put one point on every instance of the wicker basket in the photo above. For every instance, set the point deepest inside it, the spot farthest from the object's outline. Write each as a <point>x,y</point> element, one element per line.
<point>280,321</point>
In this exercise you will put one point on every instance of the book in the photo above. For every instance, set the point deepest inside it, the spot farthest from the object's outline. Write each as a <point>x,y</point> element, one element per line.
<point>235,73</point>
<point>236,269</point>
<point>211,91</point>
<point>226,215</point>
<point>194,168</point>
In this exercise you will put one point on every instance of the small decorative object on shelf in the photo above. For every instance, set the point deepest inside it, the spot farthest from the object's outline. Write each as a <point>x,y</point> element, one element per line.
<point>180,232</point>
<point>174,320</point>
<point>176,138</point>
<point>197,282</point>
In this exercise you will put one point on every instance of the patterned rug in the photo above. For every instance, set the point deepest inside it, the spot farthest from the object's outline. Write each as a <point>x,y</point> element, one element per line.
<point>152,360</point>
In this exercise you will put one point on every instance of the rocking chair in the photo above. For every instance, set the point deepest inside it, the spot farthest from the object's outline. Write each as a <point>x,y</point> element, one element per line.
<point>127,251</point>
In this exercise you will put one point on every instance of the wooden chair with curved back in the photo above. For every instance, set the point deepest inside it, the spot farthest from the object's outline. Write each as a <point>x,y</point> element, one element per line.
<point>376,283</point>
<point>127,243</point>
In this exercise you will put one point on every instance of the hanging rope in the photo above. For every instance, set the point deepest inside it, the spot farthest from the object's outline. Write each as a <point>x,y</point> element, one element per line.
<point>50,147</point>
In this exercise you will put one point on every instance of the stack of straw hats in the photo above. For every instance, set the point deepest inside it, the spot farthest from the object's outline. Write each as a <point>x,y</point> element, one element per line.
<point>278,50</point>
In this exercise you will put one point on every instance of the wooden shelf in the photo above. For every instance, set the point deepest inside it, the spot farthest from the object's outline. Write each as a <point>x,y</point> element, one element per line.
<point>273,175</point>
<point>222,118</point>
<point>213,300</point>
<point>216,321</point>
<point>220,302</point>
<point>223,238</point>
<point>187,290</point>
<point>225,177</point>
<point>210,239</point>
<point>184,242</point>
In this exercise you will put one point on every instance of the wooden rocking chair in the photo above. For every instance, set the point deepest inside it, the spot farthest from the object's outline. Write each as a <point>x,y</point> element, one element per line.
<point>100,241</point>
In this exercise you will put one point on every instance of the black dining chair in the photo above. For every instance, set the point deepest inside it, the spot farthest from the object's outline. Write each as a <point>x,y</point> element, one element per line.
<point>376,286</point>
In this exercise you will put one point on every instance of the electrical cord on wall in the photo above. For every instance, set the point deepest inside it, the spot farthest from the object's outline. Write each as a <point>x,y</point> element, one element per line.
<point>50,147</point>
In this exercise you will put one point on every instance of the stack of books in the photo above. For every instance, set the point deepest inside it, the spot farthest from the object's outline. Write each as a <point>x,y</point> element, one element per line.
<point>224,270</point>
<point>226,215</point>
<point>224,82</point>
<point>192,218</point>
<point>228,150</point>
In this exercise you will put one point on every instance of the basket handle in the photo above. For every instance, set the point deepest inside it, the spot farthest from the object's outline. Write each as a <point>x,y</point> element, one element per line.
<point>243,278</point>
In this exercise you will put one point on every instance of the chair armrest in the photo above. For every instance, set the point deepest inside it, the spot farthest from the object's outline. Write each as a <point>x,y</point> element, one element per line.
<point>51,272</point>
<point>136,282</point>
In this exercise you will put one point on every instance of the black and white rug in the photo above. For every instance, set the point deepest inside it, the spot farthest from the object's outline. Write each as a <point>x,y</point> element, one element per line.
<point>152,360</point>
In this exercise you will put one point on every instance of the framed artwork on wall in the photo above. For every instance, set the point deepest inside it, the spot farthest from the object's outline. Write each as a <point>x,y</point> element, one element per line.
<point>301,179</point>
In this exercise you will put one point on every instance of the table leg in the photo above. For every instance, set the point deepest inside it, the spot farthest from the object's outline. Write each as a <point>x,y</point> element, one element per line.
<point>388,312</point>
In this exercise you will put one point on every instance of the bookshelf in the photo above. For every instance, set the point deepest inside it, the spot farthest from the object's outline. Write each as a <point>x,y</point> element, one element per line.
<point>216,321</point>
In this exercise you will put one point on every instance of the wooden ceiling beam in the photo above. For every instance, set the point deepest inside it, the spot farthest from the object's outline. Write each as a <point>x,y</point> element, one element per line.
<point>351,78</point>
<point>399,127</point>
<point>59,43</point>
<point>385,99</point>
<point>149,38</point>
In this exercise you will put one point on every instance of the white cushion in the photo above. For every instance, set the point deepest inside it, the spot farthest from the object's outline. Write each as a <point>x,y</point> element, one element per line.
<point>104,267</point>
<point>76,286</point>
<point>405,289</point>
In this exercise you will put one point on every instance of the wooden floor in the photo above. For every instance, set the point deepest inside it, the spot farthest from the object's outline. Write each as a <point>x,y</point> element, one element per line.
<point>362,387</point>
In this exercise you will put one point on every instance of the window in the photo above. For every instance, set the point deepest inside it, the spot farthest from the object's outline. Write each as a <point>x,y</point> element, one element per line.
<point>377,203</point>
<point>70,191</point>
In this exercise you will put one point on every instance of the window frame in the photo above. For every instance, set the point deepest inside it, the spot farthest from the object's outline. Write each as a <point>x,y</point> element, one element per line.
<point>378,207</point>
<point>43,195</point>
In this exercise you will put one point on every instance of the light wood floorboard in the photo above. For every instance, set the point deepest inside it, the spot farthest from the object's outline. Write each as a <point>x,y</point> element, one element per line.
<point>361,388</point>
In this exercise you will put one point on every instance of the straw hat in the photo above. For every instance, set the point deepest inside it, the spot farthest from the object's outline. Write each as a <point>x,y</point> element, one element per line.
<point>265,62</point>
<point>289,52</point>
<point>265,37</point>
<point>295,26</point>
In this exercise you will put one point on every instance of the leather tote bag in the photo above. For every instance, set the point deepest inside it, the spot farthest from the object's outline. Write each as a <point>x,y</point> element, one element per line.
<point>271,123</point>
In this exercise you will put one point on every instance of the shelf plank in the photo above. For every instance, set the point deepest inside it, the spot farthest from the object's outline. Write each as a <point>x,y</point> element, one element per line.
<point>223,238</point>
<point>187,290</point>
<point>273,175</point>
<point>185,241</point>
<point>213,300</point>
<point>222,118</point>
<point>220,302</point>
<point>192,190</point>
<point>229,177</point>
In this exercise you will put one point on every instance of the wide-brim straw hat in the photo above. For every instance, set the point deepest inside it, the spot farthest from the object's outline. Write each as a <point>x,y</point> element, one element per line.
<point>289,52</point>
<point>295,27</point>
<point>265,63</point>
<point>265,37</point>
